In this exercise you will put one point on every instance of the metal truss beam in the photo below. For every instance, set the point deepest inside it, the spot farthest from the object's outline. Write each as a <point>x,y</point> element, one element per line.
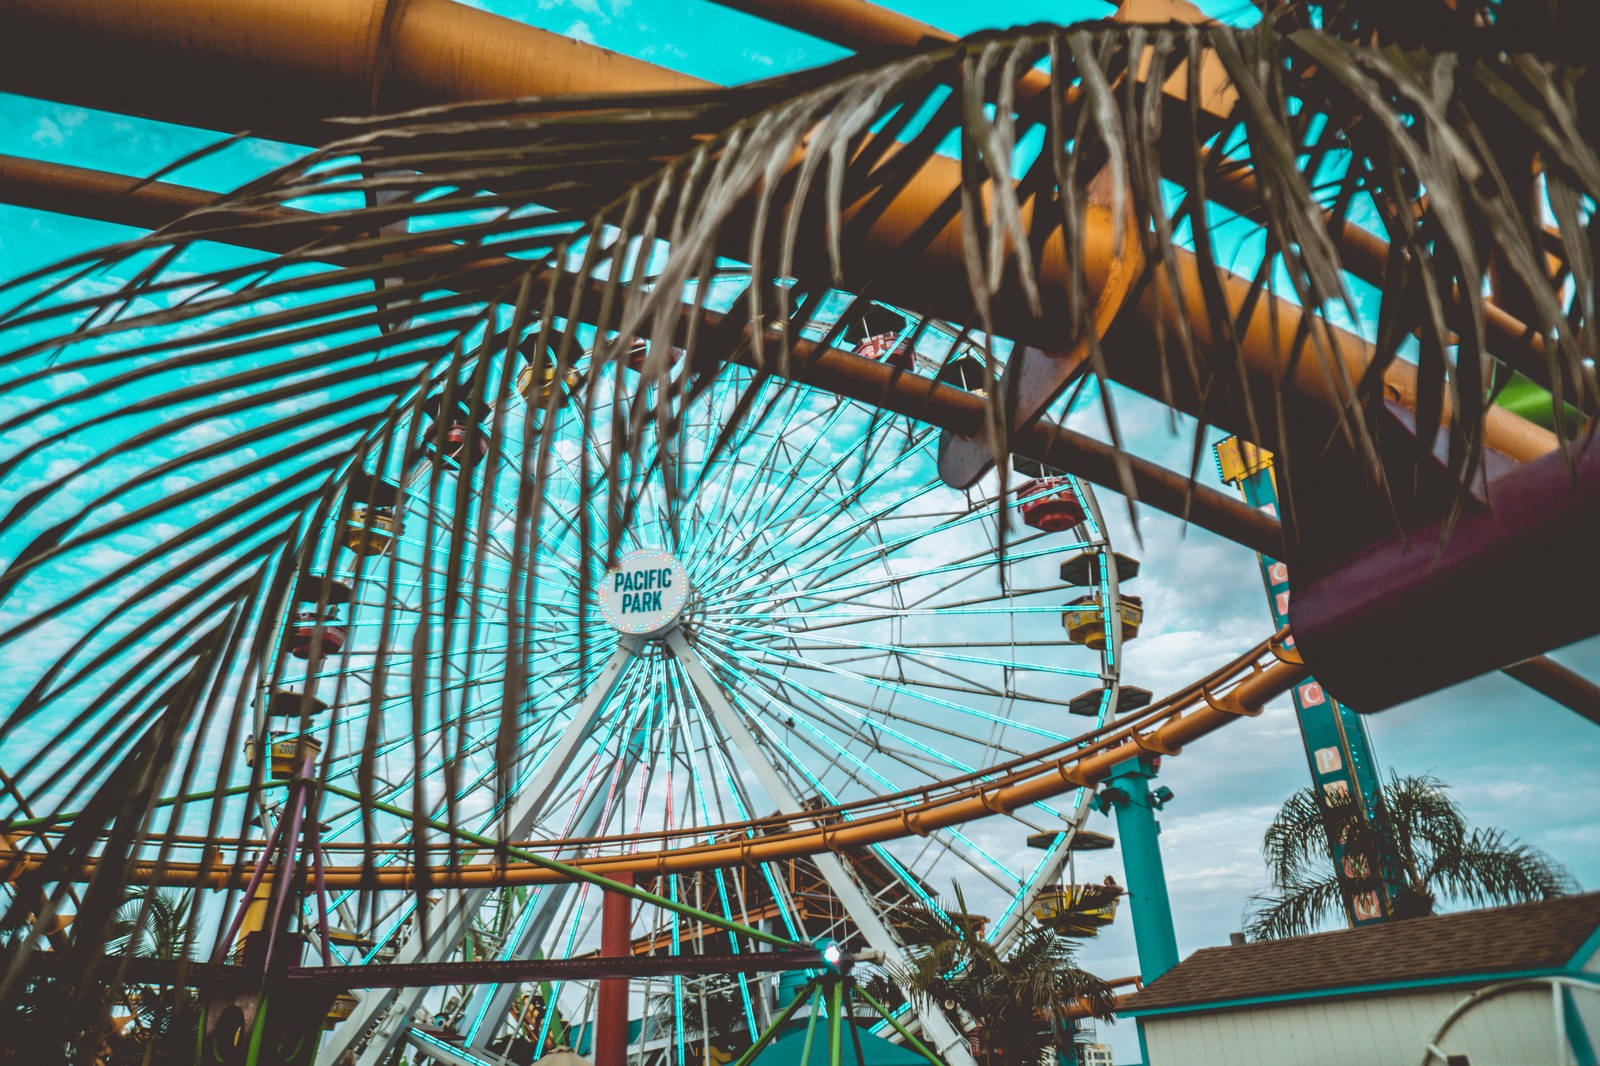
<point>950,1044</point>
<point>583,968</point>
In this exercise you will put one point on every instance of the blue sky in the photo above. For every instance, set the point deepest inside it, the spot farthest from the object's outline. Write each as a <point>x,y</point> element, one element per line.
<point>1515,760</point>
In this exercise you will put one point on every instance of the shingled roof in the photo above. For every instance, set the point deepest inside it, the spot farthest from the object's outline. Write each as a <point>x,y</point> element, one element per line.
<point>1517,939</point>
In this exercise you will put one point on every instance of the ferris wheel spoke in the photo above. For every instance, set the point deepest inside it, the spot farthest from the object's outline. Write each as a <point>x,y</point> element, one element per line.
<point>825,547</point>
<point>765,466</point>
<point>853,561</point>
<point>839,756</point>
<point>747,810</point>
<point>685,687</point>
<point>808,504</point>
<point>863,716</point>
<point>442,523</point>
<point>591,811</point>
<point>974,512</point>
<point>918,651</point>
<point>838,618</point>
<point>554,547</point>
<point>621,729</point>
<point>836,590</point>
<point>404,787</point>
<point>850,717</point>
<point>391,660</point>
<point>1044,871</point>
<point>853,719</point>
<point>762,508</point>
<point>453,922</point>
<point>689,699</point>
<point>904,690</point>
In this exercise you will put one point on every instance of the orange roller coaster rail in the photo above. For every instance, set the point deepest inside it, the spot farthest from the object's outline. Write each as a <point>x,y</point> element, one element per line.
<point>1239,689</point>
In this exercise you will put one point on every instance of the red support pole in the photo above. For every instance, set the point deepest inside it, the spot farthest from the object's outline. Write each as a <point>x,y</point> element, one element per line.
<point>611,1012</point>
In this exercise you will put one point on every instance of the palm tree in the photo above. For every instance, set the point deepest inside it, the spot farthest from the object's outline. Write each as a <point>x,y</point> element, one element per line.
<point>1412,147</point>
<point>1429,852</point>
<point>57,1019</point>
<point>154,924</point>
<point>1015,997</point>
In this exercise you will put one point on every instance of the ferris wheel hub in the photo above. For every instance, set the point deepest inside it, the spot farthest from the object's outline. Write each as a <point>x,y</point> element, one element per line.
<point>644,594</point>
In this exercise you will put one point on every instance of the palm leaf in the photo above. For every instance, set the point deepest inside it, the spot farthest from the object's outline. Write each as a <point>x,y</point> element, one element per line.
<point>1418,842</point>
<point>433,256</point>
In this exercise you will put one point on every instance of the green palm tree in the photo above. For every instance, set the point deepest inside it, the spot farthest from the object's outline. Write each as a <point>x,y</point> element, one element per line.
<point>1015,996</point>
<point>1429,852</point>
<point>153,924</point>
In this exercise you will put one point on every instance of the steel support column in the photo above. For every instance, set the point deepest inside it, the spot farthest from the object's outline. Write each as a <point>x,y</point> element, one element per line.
<point>1338,751</point>
<point>611,1009</point>
<point>1138,834</point>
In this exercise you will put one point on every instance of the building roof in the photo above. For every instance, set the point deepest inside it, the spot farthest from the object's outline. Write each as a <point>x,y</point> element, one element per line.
<point>1526,937</point>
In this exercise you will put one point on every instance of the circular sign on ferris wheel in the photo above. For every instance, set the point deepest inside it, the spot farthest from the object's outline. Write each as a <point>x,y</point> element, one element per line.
<point>644,592</point>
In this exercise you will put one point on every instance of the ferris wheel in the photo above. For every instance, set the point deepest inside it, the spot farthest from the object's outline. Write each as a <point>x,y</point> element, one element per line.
<point>800,616</point>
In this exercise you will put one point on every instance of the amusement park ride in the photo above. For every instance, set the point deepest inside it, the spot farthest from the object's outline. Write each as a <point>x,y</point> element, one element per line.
<point>769,687</point>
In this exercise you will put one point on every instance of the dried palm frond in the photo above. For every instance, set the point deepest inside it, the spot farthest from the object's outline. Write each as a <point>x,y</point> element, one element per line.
<point>190,421</point>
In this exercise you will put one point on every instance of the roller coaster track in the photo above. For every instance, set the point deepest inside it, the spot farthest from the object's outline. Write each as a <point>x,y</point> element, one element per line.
<point>1241,688</point>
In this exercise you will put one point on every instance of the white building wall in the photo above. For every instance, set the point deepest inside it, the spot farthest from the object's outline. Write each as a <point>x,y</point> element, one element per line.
<point>1391,1030</point>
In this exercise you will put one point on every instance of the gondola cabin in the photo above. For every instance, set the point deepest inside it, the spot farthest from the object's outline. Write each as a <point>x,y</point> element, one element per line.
<point>456,430</point>
<point>1077,911</point>
<point>1085,624</point>
<point>344,1005</point>
<point>875,333</point>
<point>286,754</point>
<point>372,514</point>
<point>634,355</point>
<point>317,628</point>
<point>1084,568</point>
<point>1050,504</point>
<point>289,704</point>
<point>539,387</point>
<point>636,352</point>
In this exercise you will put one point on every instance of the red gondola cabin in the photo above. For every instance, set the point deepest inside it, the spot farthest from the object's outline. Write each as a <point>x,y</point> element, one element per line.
<point>316,626</point>
<point>1050,504</point>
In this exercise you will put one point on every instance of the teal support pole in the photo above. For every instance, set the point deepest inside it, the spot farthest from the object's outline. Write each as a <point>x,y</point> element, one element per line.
<point>1127,790</point>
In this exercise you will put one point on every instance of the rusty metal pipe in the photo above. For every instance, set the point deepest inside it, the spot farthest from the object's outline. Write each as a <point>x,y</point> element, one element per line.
<point>116,198</point>
<point>853,24</point>
<point>860,25</point>
<point>281,67</point>
<point>1266,341</point>
<point>1566,687</point>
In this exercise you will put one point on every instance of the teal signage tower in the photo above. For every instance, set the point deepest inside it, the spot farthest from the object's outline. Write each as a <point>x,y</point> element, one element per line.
<point>1337,747</point>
